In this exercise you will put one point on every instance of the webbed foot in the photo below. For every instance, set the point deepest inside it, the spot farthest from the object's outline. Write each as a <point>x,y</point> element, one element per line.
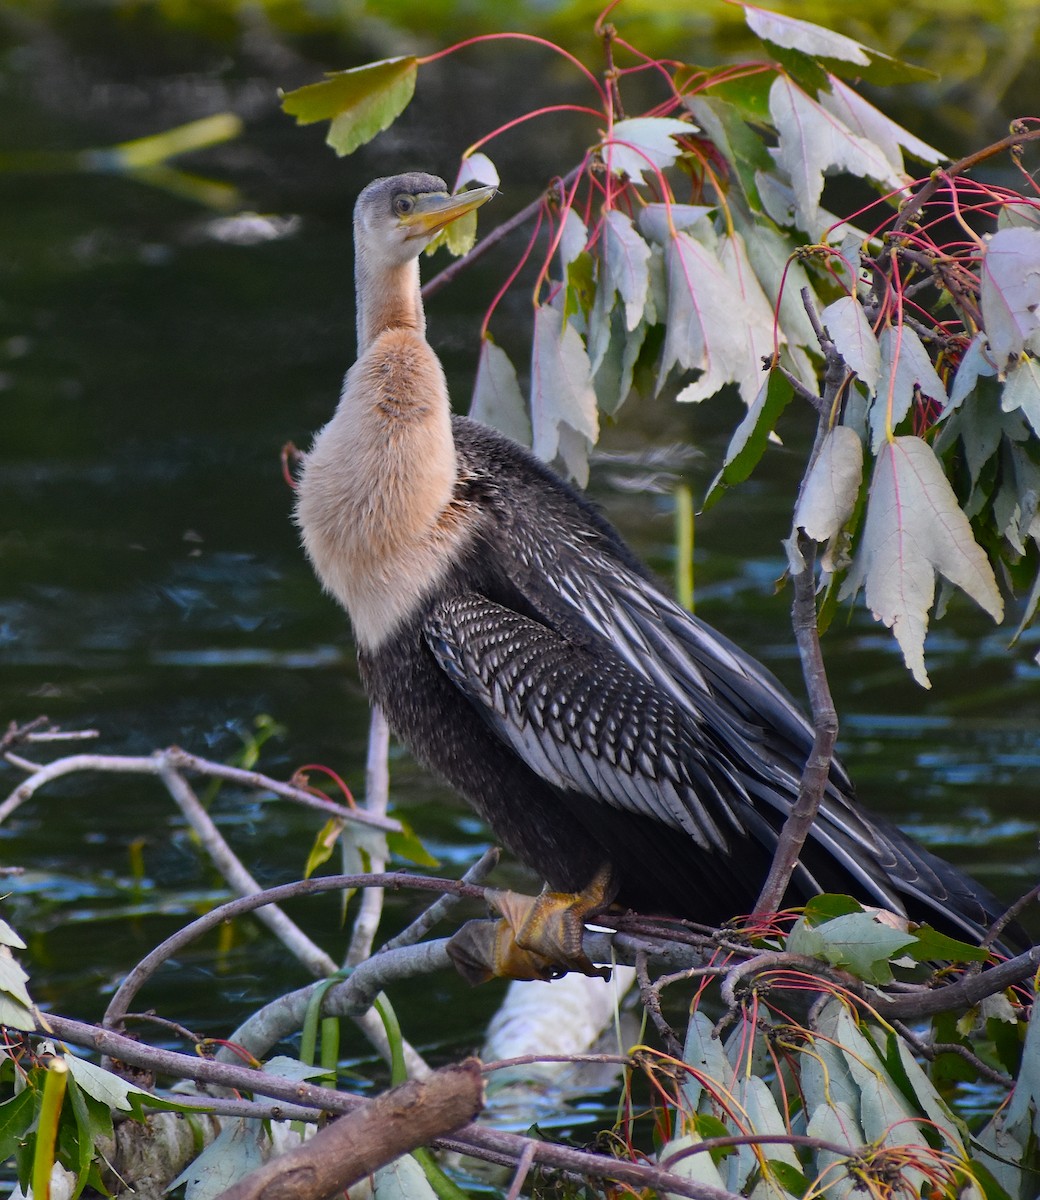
<point>539,937</point>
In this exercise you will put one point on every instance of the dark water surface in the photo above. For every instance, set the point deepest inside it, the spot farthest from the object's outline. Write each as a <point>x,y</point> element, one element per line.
<point>154,357</point>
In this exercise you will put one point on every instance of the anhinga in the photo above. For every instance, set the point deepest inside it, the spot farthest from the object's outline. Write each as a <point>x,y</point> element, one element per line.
<point>615,743</point>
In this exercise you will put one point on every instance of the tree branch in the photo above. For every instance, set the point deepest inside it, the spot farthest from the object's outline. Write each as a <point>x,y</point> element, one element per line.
<point>393,1124</point>
<point>173,758</point>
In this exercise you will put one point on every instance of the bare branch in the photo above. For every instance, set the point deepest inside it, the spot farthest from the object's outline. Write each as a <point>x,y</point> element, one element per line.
<point>176,759</point>
<point>231,868</point>
<point>473,1140</point>
<point>443,906</point>
<point>377,798</point>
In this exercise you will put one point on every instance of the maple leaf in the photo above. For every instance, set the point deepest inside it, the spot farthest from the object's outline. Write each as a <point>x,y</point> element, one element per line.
<point>915,528</point>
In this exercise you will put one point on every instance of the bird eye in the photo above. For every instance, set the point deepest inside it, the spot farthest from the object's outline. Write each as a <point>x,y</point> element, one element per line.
<point>403,205</point>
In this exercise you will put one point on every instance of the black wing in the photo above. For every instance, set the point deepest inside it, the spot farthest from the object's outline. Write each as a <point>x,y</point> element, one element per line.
<point>588,724</point>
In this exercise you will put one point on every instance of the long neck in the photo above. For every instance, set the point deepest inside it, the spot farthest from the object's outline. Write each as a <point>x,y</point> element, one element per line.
<point>375,497</point>
<point>387,297</point>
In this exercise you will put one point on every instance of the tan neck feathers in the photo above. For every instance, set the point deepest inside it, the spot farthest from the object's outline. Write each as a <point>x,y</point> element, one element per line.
<point>375,495</point>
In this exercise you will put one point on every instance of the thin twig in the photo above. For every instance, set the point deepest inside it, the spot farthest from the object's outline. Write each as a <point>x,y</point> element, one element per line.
<point>179,760</point>
<point>651,999</point>
<point>1009,915</point>
<point>443,906</point>
<point>932,1050</point>
<point>292,937</point>
<point>120,1003</point>
<point>522,1167</point>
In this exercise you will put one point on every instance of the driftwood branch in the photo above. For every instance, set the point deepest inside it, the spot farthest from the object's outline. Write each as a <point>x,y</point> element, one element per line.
<point>393,1124</point>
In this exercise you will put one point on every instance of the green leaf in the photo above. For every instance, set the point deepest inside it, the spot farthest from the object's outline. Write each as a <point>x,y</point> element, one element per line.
<point>829,905</point>
<point>932,946</point>
<point>915,528</point>
<point>16,1119</point>
<point>360,102</point>
<point>581,285</point>
<point>747,94</point>
<point>323,845</point>
<point>858,942</point>
<point>708,1126</point>
<point>789,1177</point>
<point>735,139</point>
<point>751,436</point>
<point>406,844</point>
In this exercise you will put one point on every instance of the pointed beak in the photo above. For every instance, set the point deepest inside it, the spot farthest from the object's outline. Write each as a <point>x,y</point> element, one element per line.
<point>433,211</point>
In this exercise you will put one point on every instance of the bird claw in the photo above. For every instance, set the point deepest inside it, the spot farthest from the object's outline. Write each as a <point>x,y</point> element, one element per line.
<point>539,937</point>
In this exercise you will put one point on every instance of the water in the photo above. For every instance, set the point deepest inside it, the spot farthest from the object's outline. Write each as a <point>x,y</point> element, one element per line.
<point>153,360</point>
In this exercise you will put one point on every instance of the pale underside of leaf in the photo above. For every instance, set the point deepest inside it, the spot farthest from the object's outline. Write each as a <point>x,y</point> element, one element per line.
<point>905,367</point>
<point>813,142</point>
<point>870,123</point>
<point>626,258</point>
<point>885,1113</point>
<point>814,40</point>
<point>915,528</point>
<point>1022,390</point>
<point>974,362</point>
<point>719,320</point>
<point>561,384</point>
<point>497,398</point>
<point>854,337</point>
<point>402,1179</point>
<point>478,169</point>
<point>830,492</point>
<point>1010,292</point>
<point>573,237</point>
<point>644,144</point>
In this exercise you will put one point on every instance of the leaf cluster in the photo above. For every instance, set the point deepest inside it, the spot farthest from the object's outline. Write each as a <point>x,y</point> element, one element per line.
<point>693,249</point>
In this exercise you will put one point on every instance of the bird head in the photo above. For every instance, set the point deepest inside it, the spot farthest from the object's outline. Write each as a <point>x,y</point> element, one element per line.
<point>396,218</point>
